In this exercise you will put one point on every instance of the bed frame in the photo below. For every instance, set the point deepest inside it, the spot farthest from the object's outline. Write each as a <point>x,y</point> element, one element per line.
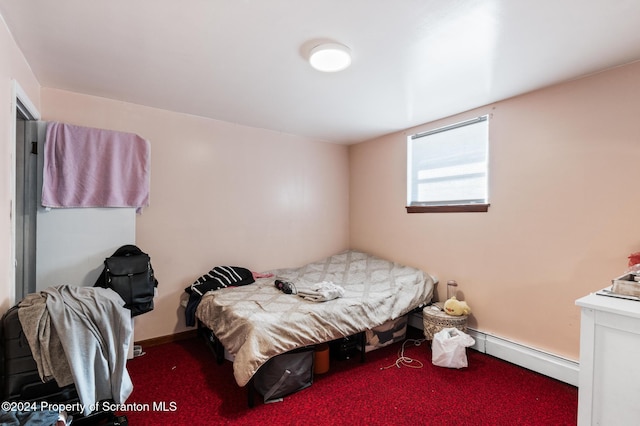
<point>213,343</point>
<point>258,322</point>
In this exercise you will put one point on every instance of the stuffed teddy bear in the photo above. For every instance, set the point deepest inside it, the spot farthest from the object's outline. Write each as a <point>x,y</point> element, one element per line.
<point>456,307</point>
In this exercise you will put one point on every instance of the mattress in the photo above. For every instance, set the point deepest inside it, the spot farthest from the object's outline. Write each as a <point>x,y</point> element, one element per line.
<point>257,321</point>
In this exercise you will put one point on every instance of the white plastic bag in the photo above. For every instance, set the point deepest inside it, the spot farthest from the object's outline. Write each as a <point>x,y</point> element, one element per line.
<point>449,348</point>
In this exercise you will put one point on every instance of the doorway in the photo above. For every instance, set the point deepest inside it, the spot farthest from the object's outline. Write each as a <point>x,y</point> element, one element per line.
<point>26,193</point>
<point>25,176</point>
<point>60,246</point>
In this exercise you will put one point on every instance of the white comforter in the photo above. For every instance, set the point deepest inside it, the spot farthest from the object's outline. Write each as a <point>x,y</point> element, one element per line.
<point>257,321</point>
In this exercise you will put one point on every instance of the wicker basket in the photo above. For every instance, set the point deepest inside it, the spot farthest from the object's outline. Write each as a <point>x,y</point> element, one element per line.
<point>435,320</point>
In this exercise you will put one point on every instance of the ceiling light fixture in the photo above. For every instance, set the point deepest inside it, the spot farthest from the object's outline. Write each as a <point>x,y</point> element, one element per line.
<point>330,57</point>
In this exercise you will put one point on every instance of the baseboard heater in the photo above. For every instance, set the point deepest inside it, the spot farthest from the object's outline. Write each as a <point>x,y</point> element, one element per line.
<point>548,364</point>
<point>542,362</point>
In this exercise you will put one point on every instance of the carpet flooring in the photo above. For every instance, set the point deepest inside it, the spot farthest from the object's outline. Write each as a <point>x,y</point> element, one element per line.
<point>180,384</point>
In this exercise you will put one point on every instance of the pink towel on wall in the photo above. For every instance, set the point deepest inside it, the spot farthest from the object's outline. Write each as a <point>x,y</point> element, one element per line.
<point>86,167</point>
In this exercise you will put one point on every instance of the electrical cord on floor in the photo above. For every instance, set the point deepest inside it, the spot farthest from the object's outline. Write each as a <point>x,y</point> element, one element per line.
<point>404,360</point>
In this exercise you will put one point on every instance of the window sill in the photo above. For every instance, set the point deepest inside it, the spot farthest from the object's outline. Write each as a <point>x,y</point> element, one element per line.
<point>456,208</point>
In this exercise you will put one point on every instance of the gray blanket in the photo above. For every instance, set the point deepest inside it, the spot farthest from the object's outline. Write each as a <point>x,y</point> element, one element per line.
<point>94,329</point>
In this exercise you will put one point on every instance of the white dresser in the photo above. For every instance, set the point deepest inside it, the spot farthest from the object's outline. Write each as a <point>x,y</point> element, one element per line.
<point>609,384</point>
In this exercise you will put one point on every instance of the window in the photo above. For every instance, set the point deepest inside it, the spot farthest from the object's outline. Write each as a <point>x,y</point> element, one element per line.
<point>447,168</point>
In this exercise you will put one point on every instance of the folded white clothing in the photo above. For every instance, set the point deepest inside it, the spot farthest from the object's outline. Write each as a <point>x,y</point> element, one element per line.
<point>321,292</point>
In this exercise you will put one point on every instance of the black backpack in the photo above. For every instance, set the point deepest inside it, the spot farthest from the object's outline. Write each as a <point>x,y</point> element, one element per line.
<point>128,272</point>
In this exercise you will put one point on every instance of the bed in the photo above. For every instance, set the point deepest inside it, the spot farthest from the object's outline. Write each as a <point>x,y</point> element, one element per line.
<point>257,322</point>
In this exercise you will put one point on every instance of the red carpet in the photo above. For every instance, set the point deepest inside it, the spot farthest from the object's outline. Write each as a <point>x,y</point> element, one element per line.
<point>195,390</point>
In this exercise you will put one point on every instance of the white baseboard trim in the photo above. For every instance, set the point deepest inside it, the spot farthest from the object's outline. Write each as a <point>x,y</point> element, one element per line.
<point>530,358</point>
<point>542,362</point>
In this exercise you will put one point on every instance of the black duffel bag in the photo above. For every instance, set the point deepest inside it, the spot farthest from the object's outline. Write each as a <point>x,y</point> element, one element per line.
<point>285,374</point>
<point>129,273</point>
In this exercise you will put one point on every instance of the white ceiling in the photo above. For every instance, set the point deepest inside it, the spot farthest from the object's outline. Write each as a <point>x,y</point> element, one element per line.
<point>244,61</point>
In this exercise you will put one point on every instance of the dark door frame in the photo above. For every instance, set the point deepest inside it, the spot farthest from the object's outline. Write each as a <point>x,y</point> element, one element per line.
<point>24,197</point>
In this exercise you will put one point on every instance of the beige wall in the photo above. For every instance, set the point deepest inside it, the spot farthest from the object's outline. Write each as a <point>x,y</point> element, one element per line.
<point>13,66</point>
<point>564,211</point>
<point>221,194</point>
<point>563,215</point>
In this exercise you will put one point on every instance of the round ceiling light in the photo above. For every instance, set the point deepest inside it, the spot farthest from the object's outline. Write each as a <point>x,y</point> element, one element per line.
<point>330,57</point>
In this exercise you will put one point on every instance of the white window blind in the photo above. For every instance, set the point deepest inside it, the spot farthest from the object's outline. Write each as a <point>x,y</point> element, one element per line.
<point>448,165</point>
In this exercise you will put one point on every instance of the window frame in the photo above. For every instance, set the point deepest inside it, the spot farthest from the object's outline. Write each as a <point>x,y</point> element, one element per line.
<point>452,206</point>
